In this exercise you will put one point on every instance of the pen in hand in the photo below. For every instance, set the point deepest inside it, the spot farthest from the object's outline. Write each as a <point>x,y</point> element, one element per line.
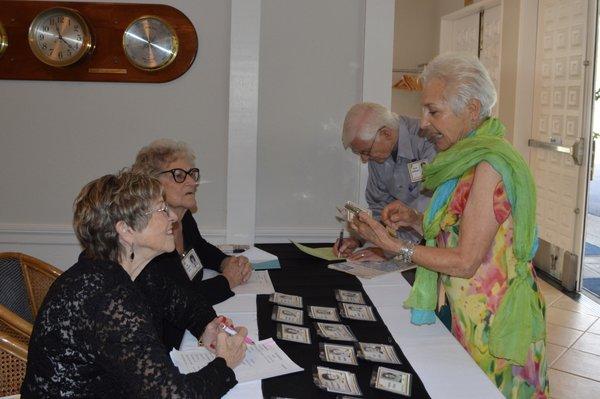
<point>340,240</point>
<point>232,332</point>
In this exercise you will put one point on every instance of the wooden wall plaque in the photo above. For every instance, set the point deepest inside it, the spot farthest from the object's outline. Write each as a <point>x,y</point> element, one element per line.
<point>106,61</point>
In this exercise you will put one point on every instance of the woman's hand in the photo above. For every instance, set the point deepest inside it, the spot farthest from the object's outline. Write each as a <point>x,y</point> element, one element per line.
<point>232,348</point>
<point>212,329</point>
<point>368,254</point>
<point>237,270</point>
<point>346,247</point>
<point>396,214</point>
<point>373,231</point>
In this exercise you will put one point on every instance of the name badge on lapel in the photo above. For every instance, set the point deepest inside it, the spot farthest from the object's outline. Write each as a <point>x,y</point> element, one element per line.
<point>415,171</point>
<point>191,263</point>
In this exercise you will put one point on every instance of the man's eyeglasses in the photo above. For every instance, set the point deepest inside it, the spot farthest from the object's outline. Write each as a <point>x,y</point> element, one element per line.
<point>164,208</point>
<point>368,152</point>
<point>179,174</point>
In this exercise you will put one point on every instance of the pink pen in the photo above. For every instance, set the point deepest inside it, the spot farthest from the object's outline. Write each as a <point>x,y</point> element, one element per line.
<point>232,332</point>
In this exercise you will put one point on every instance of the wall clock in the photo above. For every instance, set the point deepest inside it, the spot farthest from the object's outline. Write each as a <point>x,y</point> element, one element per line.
<point>150,43</point>
<point>89,41</point>
<point>3,39</point>
<point>59,37</point>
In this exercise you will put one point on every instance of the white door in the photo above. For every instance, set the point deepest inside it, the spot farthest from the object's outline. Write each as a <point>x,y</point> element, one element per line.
<point>561,119</point>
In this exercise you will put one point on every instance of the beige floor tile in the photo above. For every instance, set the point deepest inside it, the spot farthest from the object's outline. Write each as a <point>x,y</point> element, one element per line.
<point>562,336</point>
<point>595,328</point>
<point>588,342</point>
<point>566,318</point>
<point>550,293</point>
<point>553,352</point>
<point>580,363</point>
<point>584,305</point>
<point>568,386</point>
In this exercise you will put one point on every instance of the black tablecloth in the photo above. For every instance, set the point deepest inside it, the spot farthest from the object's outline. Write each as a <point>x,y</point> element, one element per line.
<point>309,277</point>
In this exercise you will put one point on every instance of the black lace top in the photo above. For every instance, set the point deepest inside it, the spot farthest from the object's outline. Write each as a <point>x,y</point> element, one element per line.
<point>168,265</point>
<point>96,336</point>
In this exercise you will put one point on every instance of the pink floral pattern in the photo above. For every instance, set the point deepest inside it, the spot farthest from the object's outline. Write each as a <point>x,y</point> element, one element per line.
<point>475,301</point>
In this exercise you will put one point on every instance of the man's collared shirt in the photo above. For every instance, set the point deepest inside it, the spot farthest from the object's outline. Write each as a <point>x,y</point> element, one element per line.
<point>390,180</point>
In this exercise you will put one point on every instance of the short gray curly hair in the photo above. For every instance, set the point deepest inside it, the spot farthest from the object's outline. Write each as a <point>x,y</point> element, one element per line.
<point>152,158</point>
<point>364,119</point>
<point>466,79</point>
<point>103,202</point>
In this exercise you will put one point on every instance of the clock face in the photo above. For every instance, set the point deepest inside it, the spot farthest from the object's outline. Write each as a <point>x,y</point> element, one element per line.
<point>150,43</point>
<point>59,36</point>
<point>3,39</point>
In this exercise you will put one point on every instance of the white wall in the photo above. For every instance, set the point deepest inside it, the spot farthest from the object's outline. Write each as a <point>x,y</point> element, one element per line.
<point>56,136</point>
<point>309,77</point>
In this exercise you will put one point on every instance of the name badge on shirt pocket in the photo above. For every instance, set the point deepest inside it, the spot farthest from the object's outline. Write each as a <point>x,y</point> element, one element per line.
<point>415,171</point>
<point>191,263</point>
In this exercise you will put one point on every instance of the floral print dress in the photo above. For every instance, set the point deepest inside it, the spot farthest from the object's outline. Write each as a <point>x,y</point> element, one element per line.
<point>475,301</point>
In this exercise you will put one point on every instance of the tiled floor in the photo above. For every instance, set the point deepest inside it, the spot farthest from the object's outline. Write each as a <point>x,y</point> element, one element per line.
<point>573,345</point>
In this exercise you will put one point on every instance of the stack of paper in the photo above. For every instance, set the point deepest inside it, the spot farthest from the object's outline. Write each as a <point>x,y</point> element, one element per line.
<point>371,269</point>
<point>259,283</point>
<point>263,360</point>
<point>260,259</point>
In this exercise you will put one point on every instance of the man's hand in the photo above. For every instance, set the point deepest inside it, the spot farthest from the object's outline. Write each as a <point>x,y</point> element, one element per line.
<point>237,270</point>
<point>346,247</point>
<point>396,214</point>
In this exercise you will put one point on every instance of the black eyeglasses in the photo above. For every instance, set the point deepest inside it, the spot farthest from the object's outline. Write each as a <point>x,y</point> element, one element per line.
<point>179,175</point>
<point>368,152</point>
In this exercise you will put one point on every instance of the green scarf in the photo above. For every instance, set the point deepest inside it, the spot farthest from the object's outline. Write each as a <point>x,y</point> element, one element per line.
<point>519,320</point>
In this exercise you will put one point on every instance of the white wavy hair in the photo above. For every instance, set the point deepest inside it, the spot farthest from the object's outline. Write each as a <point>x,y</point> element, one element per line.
<point>466,78</point>
<point>364,119</point>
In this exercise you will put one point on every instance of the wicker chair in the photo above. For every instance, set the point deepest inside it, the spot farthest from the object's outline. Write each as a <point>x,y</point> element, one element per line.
<point>14,340</point>
<point>25,281</point>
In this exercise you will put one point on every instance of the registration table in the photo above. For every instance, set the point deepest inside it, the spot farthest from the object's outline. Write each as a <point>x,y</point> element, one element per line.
<point>444,367</point>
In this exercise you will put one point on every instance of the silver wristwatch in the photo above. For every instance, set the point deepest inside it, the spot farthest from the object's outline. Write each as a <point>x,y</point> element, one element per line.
<point>406,253</point>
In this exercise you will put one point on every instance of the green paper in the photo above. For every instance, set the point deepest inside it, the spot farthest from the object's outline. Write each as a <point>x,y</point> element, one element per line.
<point>322,253</point>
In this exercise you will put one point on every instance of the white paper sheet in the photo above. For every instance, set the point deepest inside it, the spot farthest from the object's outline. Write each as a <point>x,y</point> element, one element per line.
<point>263,360</point>
<point>259,283</point>
<point>261,259</point>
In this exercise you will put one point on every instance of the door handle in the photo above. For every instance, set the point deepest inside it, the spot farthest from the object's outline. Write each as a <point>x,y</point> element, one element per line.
<point>575,151</point>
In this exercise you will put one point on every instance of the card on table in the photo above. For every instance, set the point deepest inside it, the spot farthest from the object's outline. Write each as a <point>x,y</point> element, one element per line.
<point>337,381</point>
<point>286,299</point>
<point>323,313</point>
<point>287,315</point>
<point>288,332</point>
<point>336,332</point>
<point>392,380</point>
<point>335,353</point>
<point>349,296</point>
<point>355,311</point>
<point>381,353</point>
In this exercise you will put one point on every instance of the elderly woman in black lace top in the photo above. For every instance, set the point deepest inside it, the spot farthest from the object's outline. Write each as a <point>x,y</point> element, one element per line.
<point>95,334</point>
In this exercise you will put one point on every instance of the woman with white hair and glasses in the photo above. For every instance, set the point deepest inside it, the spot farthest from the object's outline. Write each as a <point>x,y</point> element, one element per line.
<point>172,163</point>
<point>96,335</point>
<point>479,228</point>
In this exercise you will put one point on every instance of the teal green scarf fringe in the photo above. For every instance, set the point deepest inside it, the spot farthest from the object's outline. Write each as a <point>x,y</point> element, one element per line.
<point>519,320</point>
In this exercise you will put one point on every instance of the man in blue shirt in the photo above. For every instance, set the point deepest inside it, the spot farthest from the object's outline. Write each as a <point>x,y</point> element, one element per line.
<point>395,153</point>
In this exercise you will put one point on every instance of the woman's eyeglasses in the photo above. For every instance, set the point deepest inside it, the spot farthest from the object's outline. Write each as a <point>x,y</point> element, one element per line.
<point>179,175</point>
<point>164,208</point>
